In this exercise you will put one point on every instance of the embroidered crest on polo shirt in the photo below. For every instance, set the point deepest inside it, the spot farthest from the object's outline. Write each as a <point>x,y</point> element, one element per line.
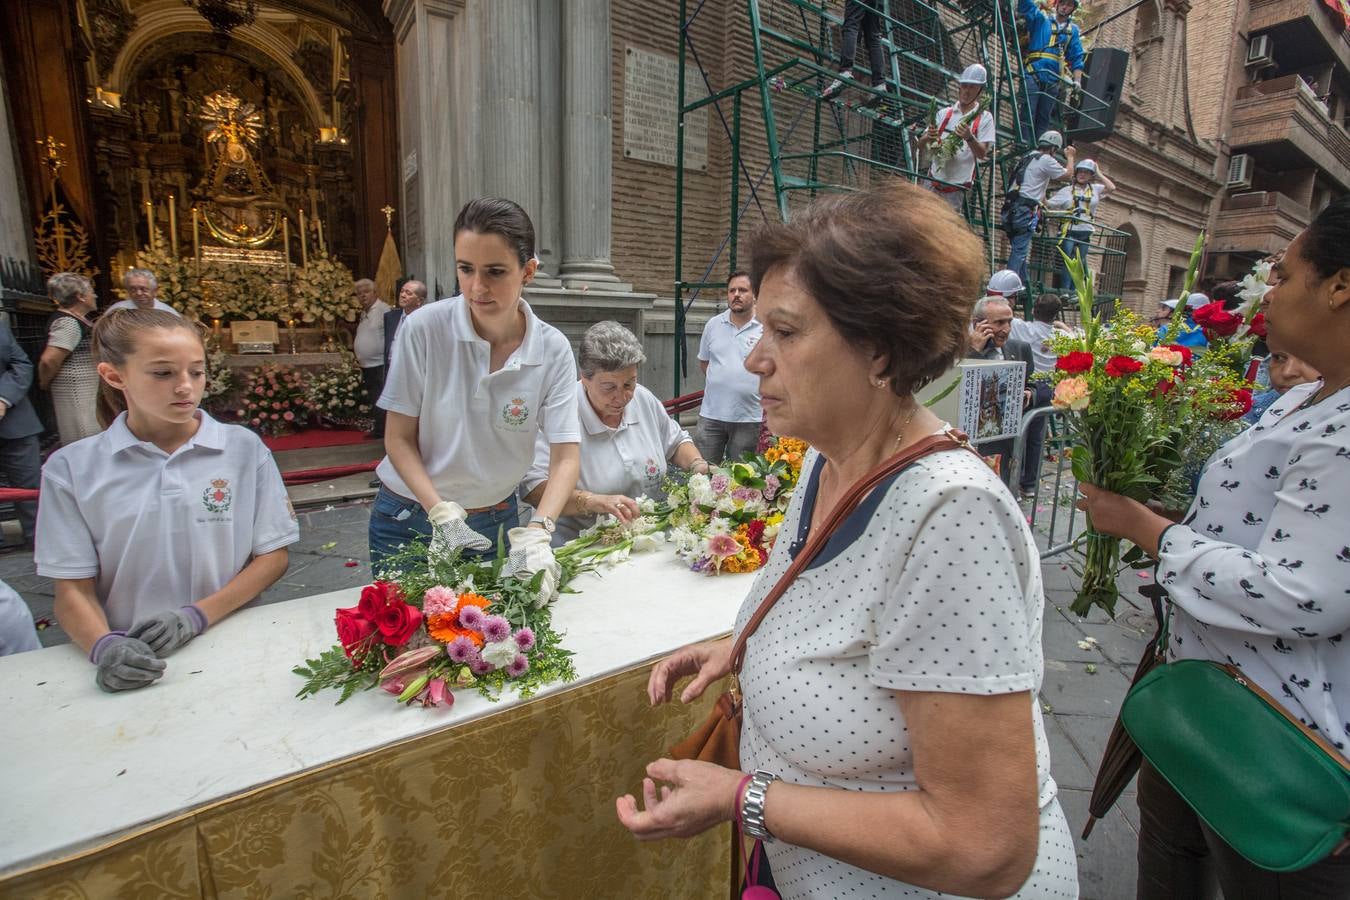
<point>515,412</point>
<point>217,497</point>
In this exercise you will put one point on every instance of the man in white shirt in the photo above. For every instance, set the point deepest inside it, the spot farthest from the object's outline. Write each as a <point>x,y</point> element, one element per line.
<point>951,175</point>
<point>729,419</point>
<point>1022,211</point>
<point>141,288</point>
<point>369,346</point>
<point>1037,333</point>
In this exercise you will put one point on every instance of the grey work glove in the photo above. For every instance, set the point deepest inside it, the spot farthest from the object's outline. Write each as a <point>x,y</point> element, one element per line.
<point>124,663</point>
<point>531,554</point>
<point>449,531</point>
<point>166,631</point>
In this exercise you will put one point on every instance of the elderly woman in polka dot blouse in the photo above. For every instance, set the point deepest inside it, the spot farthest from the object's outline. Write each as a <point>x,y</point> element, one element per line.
<point>1258,569</point>
<point>890,694</point>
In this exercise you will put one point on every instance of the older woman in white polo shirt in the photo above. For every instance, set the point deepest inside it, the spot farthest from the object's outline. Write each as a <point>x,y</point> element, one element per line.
<point>627,438</point>
<point>473,381</point>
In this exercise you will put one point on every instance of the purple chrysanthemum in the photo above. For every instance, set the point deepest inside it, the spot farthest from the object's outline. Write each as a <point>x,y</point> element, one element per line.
<point>471,616</point>
<point>524,639</point>
<point>495,629</point>
<point>518,666</point>
<point>480,666</point>
<point>719,483</point>
<point>461,649</point>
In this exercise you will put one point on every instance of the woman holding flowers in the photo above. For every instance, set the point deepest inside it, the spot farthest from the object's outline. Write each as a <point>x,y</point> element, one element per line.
<point>627,439</point>
<point>473,381</point>
<point>890,694</point>
<point>1257,569</point>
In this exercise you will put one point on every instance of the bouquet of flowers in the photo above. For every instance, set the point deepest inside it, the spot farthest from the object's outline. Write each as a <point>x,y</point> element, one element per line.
<point>220,378</point>
<point>322,292</point>
<point>1131,409</point>
<point>336,394</point>
<point>245,292</point>
<point>727,520</point>
<point>273,400</point>
<point>946,147</point>
<point>433,626</point>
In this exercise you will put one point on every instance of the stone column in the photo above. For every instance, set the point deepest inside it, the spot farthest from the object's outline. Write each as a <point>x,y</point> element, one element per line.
<point>587,147</point>
<point>509,122</point>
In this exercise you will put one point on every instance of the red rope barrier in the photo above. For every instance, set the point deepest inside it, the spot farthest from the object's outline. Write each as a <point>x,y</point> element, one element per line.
<point>300,476</point>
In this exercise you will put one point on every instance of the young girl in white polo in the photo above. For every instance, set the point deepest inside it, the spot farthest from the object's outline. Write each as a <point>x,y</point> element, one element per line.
<point>472,380</point>
<point>166,522</point>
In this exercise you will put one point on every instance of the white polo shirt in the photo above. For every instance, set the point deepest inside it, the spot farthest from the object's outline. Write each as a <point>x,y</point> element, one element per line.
<point>1038,335</point>
<point>476,430</point>
<point>131,304</point>
<point>1080,201</point>
<point>369,343</point>
<point>960,169</point>
<point>629,460</point>
<point>1038,176</point>
<point>731,393</point>
<point>159,531</point>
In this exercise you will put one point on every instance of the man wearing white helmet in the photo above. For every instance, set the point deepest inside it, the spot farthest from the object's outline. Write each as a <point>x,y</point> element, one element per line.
<point>1004,283</point>
<point>959,136</point>
<point>1076,204</point>
<point>1053,50</point>
<point>1025,191</point>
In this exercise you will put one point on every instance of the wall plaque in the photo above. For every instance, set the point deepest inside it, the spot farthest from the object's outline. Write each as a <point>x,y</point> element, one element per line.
<point>651,110</point>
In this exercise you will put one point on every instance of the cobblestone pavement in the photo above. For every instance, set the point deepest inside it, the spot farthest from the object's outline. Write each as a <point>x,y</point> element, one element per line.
<point>1088,664</point>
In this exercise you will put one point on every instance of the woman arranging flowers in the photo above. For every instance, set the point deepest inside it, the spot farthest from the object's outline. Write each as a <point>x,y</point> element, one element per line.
<point>1257,569</point>
<point>889,759</point>
<point>473,380</point>
<point>627,438</point>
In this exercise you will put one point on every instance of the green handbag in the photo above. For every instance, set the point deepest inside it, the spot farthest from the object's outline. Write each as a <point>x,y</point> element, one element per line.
<point>1274,790</point>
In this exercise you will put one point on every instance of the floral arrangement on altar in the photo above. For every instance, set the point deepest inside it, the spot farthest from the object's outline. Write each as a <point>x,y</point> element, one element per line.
<point>273,400</point>
<point>336,394</point>
<point>1132,410</point>
<point>322,292</point>
<point>220,378</point>
<point>179,285</point>
<point>727,520</point>
<point>244,292</point>
<point>436,625</point>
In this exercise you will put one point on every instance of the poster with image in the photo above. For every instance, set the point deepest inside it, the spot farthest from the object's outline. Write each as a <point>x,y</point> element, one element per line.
<point>991,399</point>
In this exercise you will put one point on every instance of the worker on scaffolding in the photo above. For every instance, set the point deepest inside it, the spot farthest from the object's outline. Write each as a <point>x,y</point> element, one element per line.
<point>1026,188</point>
<point>864,16</point>
<point>1074,206</point>
<point>1052,47</point>
<point>958,137</point>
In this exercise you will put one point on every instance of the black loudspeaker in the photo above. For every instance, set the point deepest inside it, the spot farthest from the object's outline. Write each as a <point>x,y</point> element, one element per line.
<point>1103,83</point>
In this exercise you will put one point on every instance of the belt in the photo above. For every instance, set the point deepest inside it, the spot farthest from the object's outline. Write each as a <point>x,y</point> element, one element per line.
<point>496,507</point>
<point>1042,54</point>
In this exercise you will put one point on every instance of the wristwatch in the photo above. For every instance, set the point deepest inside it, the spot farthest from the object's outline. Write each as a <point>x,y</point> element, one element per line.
<point>548,524</point>
<point>752,806</point>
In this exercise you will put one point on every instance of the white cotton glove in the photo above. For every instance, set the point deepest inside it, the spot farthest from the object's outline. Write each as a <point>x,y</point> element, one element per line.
<point>449,531</point>
<point>531,553</point>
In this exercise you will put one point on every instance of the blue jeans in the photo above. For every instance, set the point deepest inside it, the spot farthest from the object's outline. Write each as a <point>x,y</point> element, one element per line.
<point>395,520</point>
<point>1043,93</point>
<point>1021,229</point>
<point>1074,244</point>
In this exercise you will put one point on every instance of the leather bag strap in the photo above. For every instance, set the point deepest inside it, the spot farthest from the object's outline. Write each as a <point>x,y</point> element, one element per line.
<point>936,443</point>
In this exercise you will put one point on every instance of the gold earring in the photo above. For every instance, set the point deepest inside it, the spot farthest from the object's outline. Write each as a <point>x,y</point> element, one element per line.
<point>880,382</point>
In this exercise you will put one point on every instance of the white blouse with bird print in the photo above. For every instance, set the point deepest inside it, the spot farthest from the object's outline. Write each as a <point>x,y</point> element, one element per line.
<point>1259,569</point>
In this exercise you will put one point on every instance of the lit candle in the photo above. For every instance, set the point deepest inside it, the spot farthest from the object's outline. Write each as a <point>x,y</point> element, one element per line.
<point>173,226</point>
<point>196,241</point>
<point>150,224</point>
<point>304,251</point>
<point>286,243</point>
<point>323,248</point>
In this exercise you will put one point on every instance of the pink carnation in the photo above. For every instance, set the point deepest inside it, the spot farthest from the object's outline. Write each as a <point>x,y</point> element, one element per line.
<point>439,601</point>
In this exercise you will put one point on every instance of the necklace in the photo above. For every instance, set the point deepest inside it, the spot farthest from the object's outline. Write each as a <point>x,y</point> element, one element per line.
<point>914,411</point>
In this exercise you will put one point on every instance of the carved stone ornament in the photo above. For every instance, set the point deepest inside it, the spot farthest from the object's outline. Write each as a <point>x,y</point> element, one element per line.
<point>110,23</point>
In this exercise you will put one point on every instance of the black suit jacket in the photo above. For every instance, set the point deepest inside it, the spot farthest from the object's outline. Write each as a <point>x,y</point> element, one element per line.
<point>392,320</point>
<point>16,376</point>
<point>1013,351</point>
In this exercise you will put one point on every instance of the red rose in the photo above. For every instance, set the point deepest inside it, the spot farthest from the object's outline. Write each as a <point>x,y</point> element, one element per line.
<point>1075,362</point>
<point>353,632</point>
<point>1117,366</point>
<point>1240,403</point>
<point>375,597</point>
<point>1186,355</point>
<point>1164,386</point>
<point>398,622</point>
<point>1215,319</point>
<point>1258,325</point>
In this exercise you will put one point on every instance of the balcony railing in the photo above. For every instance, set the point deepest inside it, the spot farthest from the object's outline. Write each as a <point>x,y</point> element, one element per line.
<point>1298,20</point>
<point>1285,125</point>
<point>1259,222</point>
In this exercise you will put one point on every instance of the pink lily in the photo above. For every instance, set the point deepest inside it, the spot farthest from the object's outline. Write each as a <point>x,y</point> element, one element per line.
<point>410,661</point>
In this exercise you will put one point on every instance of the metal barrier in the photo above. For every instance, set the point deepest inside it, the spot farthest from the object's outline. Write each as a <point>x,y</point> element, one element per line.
<point>1056,491</point>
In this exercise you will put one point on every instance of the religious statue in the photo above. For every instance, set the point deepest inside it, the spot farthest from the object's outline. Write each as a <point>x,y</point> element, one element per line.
<point>241,208</point>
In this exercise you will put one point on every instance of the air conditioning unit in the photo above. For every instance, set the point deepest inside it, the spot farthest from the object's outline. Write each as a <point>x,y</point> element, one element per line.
<point>1259,51</point>
<point>1240,172</point>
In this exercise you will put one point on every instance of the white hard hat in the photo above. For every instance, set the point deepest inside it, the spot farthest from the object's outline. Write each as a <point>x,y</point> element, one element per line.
<point>974,74</point>
<point>1086,164</point>
<point>1053,138</point>
<point>1196,300</point>
<point>1004,282</point>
